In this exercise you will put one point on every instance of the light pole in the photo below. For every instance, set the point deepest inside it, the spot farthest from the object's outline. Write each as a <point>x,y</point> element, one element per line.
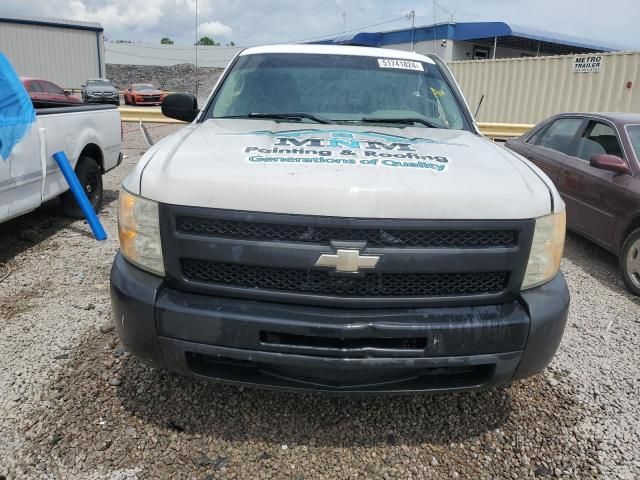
<point>196,48</point>
<point>436,4</point>
<point>412,15</point>
<point>435,39</point>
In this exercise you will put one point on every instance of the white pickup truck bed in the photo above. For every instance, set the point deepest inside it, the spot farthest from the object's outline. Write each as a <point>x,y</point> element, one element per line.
<point>30,176</point>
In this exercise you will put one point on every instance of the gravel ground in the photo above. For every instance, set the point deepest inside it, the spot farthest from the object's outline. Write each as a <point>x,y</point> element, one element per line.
<point>75,404</point>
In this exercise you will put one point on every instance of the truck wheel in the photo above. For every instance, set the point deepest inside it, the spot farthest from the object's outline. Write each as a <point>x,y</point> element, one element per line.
<point>90,178</point>
<point>630,262</point>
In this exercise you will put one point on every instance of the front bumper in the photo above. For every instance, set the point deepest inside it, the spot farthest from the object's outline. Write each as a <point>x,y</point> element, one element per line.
<point>143,101</point>
<point>112,100</point>
<point>342,350</point>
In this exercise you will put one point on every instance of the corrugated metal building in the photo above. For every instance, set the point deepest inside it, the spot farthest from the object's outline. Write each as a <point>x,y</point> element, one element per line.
<point>65,52</point>
<point>527,90</point>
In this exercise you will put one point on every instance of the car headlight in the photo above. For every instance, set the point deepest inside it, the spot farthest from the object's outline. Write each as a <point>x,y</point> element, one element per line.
<point>546,249</point>
<point>139,231</point>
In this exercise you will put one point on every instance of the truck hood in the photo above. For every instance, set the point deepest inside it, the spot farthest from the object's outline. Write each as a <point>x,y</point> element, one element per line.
<point>343,170</point>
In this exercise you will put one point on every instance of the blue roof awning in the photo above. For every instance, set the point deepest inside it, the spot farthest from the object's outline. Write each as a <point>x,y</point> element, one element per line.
<point>468,31</point>
<point>475,30</point>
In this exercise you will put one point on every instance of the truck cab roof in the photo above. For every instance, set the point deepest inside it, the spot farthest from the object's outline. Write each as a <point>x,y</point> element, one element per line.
<point>338,50</point>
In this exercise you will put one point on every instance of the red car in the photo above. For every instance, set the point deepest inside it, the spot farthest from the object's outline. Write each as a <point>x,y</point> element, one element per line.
<point>594,161</point>
<point>143,94</point>
<point>45,91</point>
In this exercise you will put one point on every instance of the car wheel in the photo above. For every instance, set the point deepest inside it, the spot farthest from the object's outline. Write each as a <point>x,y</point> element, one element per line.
<point>630,262</point>
<point>90,177</point>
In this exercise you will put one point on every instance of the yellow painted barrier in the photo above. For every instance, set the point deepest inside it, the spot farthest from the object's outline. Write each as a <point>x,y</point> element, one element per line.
<point>495,131</point>
<point>146,114</point>
<point>503,131</point>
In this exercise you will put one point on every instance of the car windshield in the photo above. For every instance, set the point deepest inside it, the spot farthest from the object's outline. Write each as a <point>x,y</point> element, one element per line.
<point>634,138</point>
<point>143,86</point>
<point>338,88</point>
<point>99,83</point>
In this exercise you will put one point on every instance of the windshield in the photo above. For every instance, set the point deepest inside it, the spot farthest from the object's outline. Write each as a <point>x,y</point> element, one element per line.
<point>634,137</point>
<point>143,86</point>
<point>338,88</point>
<point>99,83</point>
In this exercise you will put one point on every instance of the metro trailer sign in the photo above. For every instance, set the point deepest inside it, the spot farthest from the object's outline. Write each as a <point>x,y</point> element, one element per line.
<point>587,64</point>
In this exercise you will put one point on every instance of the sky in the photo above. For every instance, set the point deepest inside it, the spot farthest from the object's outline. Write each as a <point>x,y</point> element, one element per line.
<point>255,22</point>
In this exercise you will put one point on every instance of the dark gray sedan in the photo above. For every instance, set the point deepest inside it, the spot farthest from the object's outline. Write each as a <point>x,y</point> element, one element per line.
<point>594,161</point>
<point>100,90</point>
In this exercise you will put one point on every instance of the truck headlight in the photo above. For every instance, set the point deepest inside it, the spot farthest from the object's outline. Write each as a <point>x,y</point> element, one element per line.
<point>139,231</point>
<point>546,249</point>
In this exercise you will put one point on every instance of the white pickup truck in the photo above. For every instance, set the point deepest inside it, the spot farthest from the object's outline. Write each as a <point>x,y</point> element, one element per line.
<point>91,137</point>
<point>333,220</point>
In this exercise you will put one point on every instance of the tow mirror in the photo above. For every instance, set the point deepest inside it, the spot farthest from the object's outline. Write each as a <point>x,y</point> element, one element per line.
<point>181,106</point>
<point>612,163</point>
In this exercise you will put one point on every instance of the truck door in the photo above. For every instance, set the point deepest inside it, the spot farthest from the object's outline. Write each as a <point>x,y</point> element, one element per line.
<point>5,180</point>
<point>21,171</point>
<point>26,173</point>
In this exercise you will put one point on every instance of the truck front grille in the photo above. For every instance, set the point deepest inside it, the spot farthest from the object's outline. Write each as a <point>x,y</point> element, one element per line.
<point>317,282</point>
<point>375,237</point>
<point>273,257</point>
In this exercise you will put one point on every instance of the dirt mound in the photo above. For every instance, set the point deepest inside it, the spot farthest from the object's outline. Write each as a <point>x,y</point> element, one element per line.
<point>175,78</point>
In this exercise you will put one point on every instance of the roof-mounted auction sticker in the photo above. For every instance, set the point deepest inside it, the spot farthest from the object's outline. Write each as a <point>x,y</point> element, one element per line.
<point>400,64</point>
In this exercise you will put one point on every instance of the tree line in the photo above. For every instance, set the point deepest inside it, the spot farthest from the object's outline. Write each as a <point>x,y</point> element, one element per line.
<point>207,41</point>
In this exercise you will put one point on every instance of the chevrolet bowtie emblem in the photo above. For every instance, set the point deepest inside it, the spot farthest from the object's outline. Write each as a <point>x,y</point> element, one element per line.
<point>347,261</point>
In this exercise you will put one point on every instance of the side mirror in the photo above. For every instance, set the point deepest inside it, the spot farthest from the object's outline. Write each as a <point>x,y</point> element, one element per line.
<point>83,86</point>
<point>612,163</point>
<point>67,92</point>
<point>181,106</point>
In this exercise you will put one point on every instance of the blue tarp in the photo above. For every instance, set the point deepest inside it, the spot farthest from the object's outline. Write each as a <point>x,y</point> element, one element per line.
<point>16,110</point>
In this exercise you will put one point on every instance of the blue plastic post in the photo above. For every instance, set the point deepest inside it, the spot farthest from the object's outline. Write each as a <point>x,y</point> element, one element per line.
<point>81,197</point>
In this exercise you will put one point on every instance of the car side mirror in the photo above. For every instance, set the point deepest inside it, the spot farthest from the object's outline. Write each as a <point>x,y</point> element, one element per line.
<point>67,92</point>
<point>83,86</point>
<point>612,163</point>
<point>181,106</point>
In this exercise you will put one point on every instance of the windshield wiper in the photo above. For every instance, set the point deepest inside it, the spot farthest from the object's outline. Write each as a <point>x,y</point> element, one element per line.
<point>405,121</point>
<point>290,116</point>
